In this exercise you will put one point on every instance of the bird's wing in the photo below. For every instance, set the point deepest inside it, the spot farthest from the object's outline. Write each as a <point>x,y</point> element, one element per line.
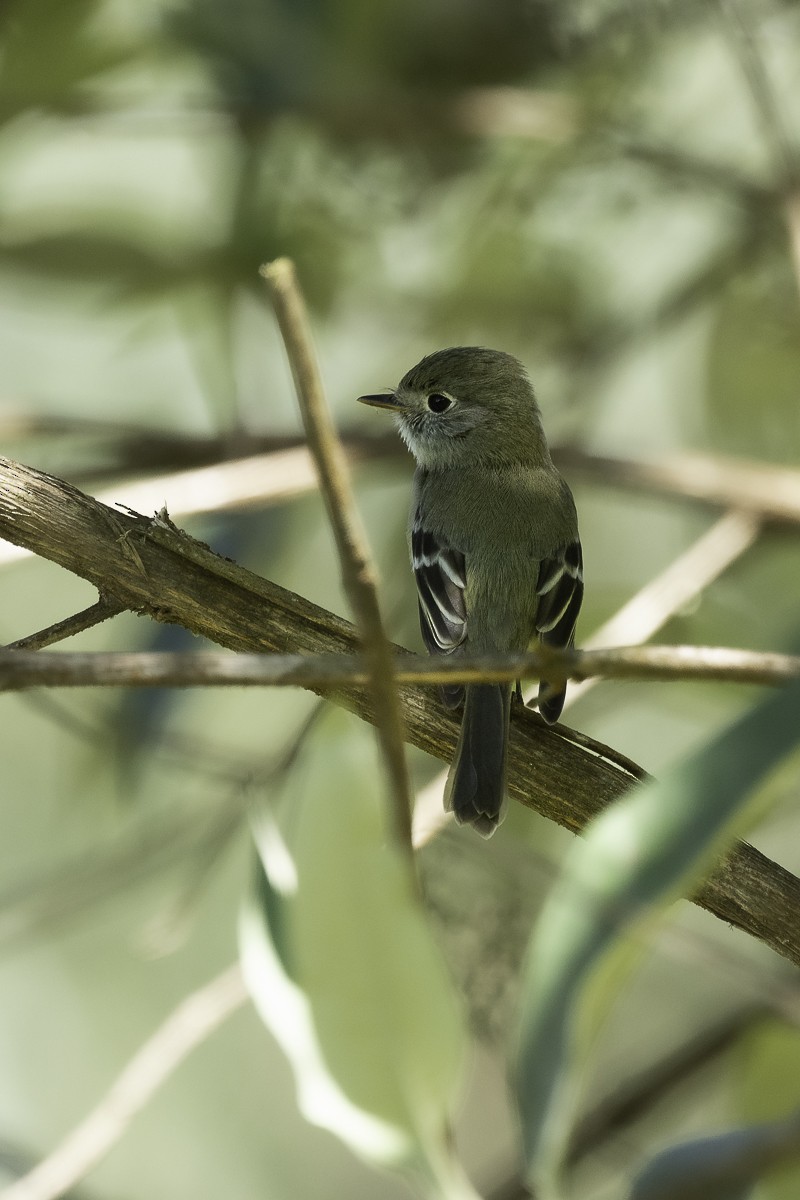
<point>559,592</point>
<point>440,573</point>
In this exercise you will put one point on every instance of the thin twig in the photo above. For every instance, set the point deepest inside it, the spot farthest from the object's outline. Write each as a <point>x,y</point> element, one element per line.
<point>358,573</point>
<point>242,483</point>
<point>188,1026</point>
<point>769,492</point>
<point>95,614</point>
<point>21,669</point>
<point>680,583</point>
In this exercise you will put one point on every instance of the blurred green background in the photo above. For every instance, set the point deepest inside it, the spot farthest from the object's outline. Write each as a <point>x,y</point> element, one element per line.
<point>601,188</point>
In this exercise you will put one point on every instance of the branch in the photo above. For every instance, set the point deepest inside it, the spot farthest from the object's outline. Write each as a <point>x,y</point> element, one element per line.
<point>95,614</point>
<point>21,669</point>
<point>682,581</point>
<point>358,573</point>
<point>152,568</point>
<point>769,492</point>
<point>195,1018</point>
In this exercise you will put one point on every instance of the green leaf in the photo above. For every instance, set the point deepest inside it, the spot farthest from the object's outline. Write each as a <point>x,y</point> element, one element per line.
<point>726,1167</point>
<point>343,968</point>
<point>635,858</point>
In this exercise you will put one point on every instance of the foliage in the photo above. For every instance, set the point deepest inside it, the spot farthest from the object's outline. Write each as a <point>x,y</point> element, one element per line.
<point>607,190</point>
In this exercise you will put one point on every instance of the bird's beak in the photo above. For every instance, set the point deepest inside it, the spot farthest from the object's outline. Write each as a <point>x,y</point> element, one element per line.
<point>388,400</point>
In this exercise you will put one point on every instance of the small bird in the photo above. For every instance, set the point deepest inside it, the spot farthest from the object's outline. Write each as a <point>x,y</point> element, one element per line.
<point>494,546</point>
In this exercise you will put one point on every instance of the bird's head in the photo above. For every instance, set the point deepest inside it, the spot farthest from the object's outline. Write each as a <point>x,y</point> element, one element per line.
<point>466,405</point>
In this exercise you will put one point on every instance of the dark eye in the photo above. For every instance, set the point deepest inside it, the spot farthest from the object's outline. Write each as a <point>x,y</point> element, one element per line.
<point>438,403</point>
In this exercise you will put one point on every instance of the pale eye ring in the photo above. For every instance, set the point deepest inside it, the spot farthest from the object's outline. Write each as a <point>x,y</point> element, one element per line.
<point>438,403</point>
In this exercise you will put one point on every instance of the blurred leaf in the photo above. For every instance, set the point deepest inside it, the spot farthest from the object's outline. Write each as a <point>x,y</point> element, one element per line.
<point>48,49</point>
<point>88,255</point>
<point>719,1168</point>
<point>268,57</point>
<point>769,1085</point>
<point>344,971</point>
<point>634,859</point>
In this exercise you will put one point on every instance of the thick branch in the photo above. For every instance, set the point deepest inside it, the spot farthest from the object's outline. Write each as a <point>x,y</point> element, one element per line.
<point>154,569</point>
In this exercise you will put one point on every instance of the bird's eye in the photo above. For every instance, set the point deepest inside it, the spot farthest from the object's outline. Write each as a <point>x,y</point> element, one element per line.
<point>438,403</point>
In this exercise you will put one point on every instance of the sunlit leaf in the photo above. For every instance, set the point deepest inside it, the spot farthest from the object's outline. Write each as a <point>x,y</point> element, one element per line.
<point>635,858</point>
<point>344,971</point>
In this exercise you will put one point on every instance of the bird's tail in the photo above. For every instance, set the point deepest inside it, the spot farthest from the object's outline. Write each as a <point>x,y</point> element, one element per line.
<point>476,784</point>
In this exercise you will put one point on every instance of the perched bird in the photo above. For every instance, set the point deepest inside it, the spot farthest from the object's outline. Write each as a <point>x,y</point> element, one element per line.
<point>494,545</point>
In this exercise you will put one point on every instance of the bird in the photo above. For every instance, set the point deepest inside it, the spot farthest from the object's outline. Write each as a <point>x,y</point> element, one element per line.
<point>494,545</point>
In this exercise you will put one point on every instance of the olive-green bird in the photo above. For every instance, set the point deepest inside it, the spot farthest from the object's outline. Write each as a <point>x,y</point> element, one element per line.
<point>494,545</point>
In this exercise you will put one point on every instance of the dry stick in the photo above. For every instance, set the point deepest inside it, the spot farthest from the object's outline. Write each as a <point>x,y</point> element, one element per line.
<point>769,492</point>
<point>164,573</point>
<point>681,582</point>
<point>358,573</point>
<point>194,1019</point>
<point>22,669</point>
<point>258,479</point>
<point>95,614</point>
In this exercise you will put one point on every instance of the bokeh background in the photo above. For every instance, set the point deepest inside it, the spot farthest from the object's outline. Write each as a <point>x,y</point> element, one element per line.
<point>608,190</point>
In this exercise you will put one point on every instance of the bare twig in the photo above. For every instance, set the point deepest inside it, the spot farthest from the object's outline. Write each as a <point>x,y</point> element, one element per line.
<point>95,614</point>
<point>358,573</point>
<point>21,669</point>
<point>682,581</point>
<point>188,1026</point>
<point>769,492</point>
<point>259,479</point>
<point>171,577</point>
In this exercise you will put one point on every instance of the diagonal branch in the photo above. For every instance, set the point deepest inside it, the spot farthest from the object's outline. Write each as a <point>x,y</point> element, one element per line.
<point>154,569</point>
<point>358,573</point>
<point>196,1017</point>
<point>95,614</point>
